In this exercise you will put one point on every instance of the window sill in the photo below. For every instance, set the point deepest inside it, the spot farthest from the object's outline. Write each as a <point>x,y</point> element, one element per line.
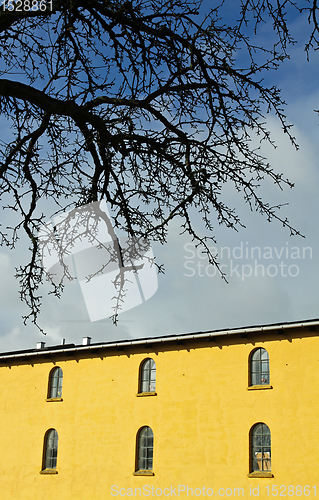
<point>54,399</point>
<point>143,473</point>
<point>141,394</point>
<point>260,474</point>
<point>48,471</point>
<point>259,387</point>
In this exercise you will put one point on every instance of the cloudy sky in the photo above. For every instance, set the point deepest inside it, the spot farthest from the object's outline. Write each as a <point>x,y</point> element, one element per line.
<point>272,277</point>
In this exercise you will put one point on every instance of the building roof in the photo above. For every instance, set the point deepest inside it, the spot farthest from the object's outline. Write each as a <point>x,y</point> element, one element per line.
<point>41,350</point>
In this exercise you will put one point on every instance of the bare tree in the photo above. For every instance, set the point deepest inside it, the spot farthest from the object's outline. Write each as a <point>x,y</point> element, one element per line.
<point>143,103</point>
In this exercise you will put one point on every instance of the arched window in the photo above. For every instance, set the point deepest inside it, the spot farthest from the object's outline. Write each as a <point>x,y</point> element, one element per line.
<point>50,452</point>
<point>147,376</point>
<point>259,367</point>
<point>145,440</point>
<point>55,383</point>
<point>260,448</point>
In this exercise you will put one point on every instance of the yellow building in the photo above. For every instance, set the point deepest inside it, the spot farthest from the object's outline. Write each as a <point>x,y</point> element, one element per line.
<point>226,413</point>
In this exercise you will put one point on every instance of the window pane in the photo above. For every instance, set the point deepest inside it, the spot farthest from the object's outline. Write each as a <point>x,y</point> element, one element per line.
<point>266,441</point>
<point>142,463</point>
<point>143,441</point>
<point>143,452</point>
<point>256,355</point>
<point>255,377</point>
<point>255,366</point>
<point>258,429</point>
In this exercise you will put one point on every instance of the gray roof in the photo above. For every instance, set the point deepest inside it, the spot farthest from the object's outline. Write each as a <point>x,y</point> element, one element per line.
<point>151,341</point>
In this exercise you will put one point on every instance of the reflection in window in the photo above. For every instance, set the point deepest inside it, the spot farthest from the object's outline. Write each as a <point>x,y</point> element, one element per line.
<point>259,369</point>
<point>148,376</point>
<point>145,449</point>
<point>50,449</point>
<point>261,448</point>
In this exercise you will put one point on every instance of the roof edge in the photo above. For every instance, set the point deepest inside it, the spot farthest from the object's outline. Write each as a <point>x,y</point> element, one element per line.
<point>157,340</point>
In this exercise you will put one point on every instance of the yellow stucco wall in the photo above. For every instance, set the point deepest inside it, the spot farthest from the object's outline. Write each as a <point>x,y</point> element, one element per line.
<point>201,418</point>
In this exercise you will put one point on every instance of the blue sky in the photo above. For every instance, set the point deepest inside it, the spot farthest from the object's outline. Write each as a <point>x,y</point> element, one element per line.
<point>272,277</point>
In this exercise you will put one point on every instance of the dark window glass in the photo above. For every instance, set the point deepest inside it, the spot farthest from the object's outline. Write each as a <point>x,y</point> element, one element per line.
<point>56,381</point>
<point>261,448</point>
<point>260,367</point>
<point>51,449</point>
<point>148,376</point>
<point>145,449</point>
